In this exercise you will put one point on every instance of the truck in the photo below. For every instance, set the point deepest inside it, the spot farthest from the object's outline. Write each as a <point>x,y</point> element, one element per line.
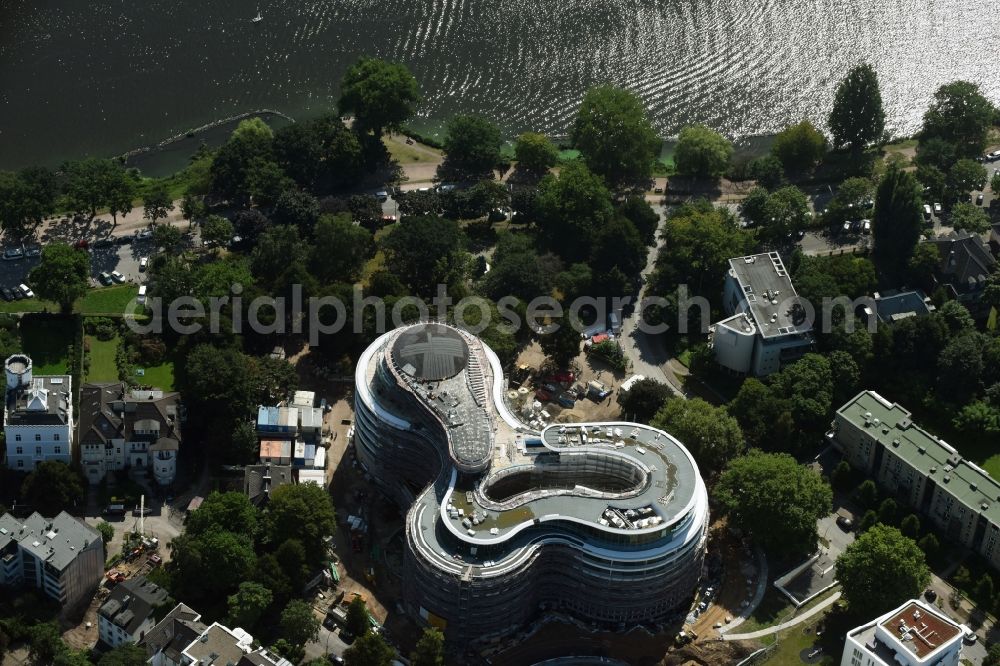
<point>630,382</point>
<point>597,390</point>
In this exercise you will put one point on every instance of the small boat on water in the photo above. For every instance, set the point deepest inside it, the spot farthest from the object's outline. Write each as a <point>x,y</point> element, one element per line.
<point>258,18</point>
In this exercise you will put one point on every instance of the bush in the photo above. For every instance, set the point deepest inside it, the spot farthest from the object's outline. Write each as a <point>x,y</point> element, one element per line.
<point>152,351</point>
<point>611,352</point>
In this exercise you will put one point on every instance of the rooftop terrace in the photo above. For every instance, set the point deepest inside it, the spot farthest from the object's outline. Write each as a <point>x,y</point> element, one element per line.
<point>768,290</point>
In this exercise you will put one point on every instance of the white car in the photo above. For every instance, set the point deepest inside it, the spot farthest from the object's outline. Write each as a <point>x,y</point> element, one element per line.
<point>937,208</point>
<point>992,157</point>
<point>927,210</point>
<point>117,277</point>
<point>144,233</point>
<point>26,290</point>
<point>143,263</point>
<point>141,298</point>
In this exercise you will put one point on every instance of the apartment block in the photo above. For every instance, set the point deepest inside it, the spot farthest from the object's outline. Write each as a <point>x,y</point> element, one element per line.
<point>38,416</point>
<point>921,471</point>
<point>915,634</point>
<point>128,613</point>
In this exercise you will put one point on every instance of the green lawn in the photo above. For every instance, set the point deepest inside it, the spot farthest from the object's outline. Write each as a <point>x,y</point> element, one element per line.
<point>28,305</point>
<point>791,643</point>
<point>107,300</point>
<point>46,342</point>
<point>102,360</point>
<point>992,466</point>
<point>161,376</point>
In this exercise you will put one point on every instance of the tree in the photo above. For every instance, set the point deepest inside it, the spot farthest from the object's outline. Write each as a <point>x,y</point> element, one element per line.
<point>960,367</point>
<point>535,154</point>
<point>615,138</point>
<point>157,203</point>
<point>857,118</point>
<point>296,208</point>
<point>248,604</point>
<point>702,152</point>
<point>298,624</point>
<point>340,249</point>
<point>357,621</point>
<point>107,531</point>
<point>416,203</point>
<point>778,213</point>
<point>127,654</point>
<point>842,476</point>
<point>799,147</point>
<point>964,176</point>
<point>52,487</point>
<point>880,570</point>
<point>26,198</point>
<point>776,499</point>
<point>369,650</point>
<point>380,95</point>
<point>210,565</point>
<point>641,402</point>
<point>967,217</point>
<point>961,116</point>
<point>472,148</point>
<point>867,494</point>
<point>429,650</point>
<point>302,512</point>
<point>868,520</point>
<point>898,220</point>
<point>230,512</point>
<point>62,275</point>
<point>425,251</point>
<point>572,207</point>
<point>926,259</point>
<point>984,590</point>
<point>94,183</point>
<point>978,417</point>
<point>217,384</point>
<point>887,511</point>
<point>930,545</point>
<point>167,236</point>
<point>910,526</point>
<point>767,170</point>
<point>561,345</point>
<point>192,207</point>
<point>279,259</point>
<point>710,433</point>
<point>638,211</point>
<point>244,165</point>
<point>807,384</point>
<point>45,643</point>
<point>217,230</point>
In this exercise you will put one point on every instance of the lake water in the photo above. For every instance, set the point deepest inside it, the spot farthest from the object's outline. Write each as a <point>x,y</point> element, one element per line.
<point>106,76</point>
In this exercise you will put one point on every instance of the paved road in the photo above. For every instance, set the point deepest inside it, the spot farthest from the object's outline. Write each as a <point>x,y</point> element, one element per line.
<point>647,353</point>
<point>799,619</point>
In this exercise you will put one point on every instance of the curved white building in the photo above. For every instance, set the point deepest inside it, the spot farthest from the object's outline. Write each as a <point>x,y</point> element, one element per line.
<point>605,521</point>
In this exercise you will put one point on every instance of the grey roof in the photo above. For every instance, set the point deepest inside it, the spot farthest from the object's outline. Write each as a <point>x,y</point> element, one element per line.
<point>768,290</point>
<point>165,444</point>
<point>218,641</point>
<point>430,352</point>
<point>259,481</point>
<point>108,411</point>
<point>44,402</point>
<point>965,259</point>
<point>131,602</point>
<point>56,541</point>
<point>174,632</point>
<point>892,307</point>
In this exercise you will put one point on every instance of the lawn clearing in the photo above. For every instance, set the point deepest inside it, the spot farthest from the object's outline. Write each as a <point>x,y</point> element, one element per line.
<point>46,341</point>
<point>107,300</point>
<point>161,376</point>
<point>992,466</point>
<point>102,359</point>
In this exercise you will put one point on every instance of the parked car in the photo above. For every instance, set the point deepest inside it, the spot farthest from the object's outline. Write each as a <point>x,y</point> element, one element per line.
<point>927,211</point>
<point>937,208</point>
<point>141,298</point>
<point>13,254</point>
<point>26,290</point>
<point>993,157</point>
<point>845,523</point>
<point>143,511</point>
<point>32,251</point>
<point>104,278</point>
<point>8,294</point>
<point>143,263</point>
<point>123,240</point>
<point>103,242</point>
<point>381,195</point>
<point>847,227</point>
<point>979,199</point>
<point>866,226</point>
<point>142,234</point>
<point>117,277</point>
<point>115,510</point>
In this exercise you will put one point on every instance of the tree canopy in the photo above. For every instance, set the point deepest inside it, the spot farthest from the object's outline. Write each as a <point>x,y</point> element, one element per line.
<point>62,275</point>
<point>298,624</point>
<point>615,138</point>
<point>302,512</point>
<point>425,251</point>
<point>857,118</point>
<point>26,198</point>
<point>472,148</point>
<point>52,487</point>
<point>572,206</point>
<point>380,95</point>
<point>535,154</point>
<point>898,220</point>
<point>369,650</point>
<point>710,433</point>
<point>776,499</point>
<point>429,650</point>
<point>965,216</point>
<point>961,116</point>
<point>248,604</point>
<point>644,399</point>
<point>799,147</point>
<point>702,152</point>
<point>880,570</point>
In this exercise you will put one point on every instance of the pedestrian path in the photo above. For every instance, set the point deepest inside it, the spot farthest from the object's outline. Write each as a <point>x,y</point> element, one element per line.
<point>758,594</point>
<point>785,625</point>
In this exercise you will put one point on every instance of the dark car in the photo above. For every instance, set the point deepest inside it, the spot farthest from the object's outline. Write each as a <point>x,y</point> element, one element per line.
<point>347,636</point>
<point>8,294</point>
<point>335,659</point>
<point>123,240</point>
<point>104,242</point>
<point>930,595</point>
<point>845,523</point>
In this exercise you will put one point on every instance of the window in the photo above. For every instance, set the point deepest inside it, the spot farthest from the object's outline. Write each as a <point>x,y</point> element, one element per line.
<point>20,450</point>
<point>55,437</point>
<point>38,451</point>
<point>38,437</point>
<point>17,438</point>
<point>20,463</point>
<point>58,449</point>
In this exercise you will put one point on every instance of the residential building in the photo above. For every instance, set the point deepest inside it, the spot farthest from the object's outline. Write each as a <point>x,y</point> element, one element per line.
<point>122,428</point>
<point>181,639</point>
<point>260,480</point>
<point>891,306</point>
<point>915,634</point>
<point>966,264</point>
<point>995,239</point>
<point>38,416</point>
<point>921,471</point>
<point>606,522</point>
<point>127,614</point>
<point>61,556</point>
<point>766,325</point>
